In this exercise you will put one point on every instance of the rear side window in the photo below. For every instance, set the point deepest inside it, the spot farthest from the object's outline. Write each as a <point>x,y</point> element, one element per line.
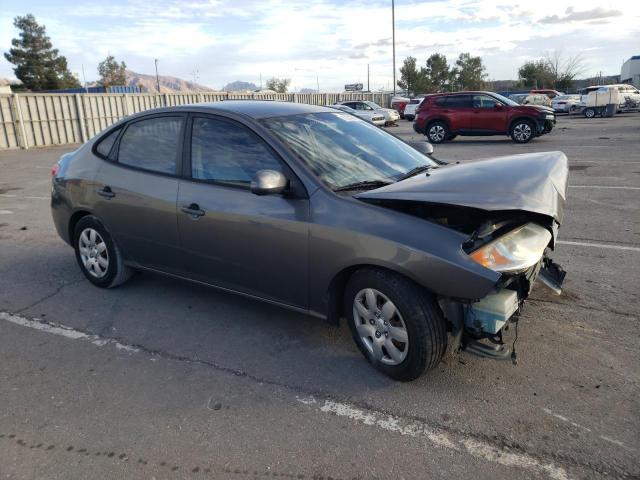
<point>228,152</point>
<point>106,144</point>
<point>441,102</point>
<point>152,144</point>
<point>459,101</point>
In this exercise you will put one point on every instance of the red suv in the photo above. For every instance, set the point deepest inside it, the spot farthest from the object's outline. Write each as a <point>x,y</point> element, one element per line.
<point>444,116</point>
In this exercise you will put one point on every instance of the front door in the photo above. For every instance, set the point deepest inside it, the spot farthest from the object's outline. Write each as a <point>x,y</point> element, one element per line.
<point>138,190</point>
<point>231,237</point>
<point>488,116</point>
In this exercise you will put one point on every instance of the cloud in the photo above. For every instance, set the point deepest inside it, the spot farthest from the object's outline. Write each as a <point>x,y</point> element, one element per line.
<point>573,16</point>
<point>333,40</point>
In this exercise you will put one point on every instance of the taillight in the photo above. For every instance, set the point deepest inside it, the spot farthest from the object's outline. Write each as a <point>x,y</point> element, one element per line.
<point>54,169</point>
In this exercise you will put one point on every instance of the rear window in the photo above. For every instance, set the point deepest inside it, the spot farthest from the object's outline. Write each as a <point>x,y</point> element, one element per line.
<point>152,144</point>
<point>103,148</point>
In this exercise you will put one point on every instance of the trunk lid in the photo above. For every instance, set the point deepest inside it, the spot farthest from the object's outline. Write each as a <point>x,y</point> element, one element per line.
<point>531,182</point>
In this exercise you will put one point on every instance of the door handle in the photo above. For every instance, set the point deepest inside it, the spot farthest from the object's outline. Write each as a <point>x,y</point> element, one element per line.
<point>106,192</point>
<point>193,209</point>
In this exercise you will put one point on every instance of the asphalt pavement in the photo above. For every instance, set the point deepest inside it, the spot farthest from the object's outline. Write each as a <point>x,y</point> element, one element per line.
<point>165,379</point>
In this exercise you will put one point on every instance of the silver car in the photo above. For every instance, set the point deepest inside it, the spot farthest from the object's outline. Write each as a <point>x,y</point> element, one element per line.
<point>390,115</point>
<point>317,211</point>
<point>369,115</point>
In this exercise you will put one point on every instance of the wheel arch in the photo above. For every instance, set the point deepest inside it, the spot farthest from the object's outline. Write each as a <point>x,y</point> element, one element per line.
<point>519,118</point>
<point>338,284</point>
<point>437,119</point>
<point>73,221</point>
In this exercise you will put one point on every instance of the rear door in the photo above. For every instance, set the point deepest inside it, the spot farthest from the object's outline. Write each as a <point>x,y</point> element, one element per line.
<point>457,109</point>
<point>238,240</point>
<point>138,188</point>
<point>488,115</point>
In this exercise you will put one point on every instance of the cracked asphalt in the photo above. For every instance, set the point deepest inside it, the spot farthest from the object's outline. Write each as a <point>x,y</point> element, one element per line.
<point>164,379</point>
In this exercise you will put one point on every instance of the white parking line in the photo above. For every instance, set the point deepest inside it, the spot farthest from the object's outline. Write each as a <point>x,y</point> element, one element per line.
<point>31,197</point>
<point>438,438</point>
<point>599,245</point>
<point>64,331</point>
<point>605,186</point>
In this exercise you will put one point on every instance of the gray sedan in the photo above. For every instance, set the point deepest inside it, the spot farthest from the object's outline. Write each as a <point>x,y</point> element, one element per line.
<point>317,211</point>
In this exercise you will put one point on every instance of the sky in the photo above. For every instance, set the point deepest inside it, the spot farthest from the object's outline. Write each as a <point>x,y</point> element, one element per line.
<point>325,42</point>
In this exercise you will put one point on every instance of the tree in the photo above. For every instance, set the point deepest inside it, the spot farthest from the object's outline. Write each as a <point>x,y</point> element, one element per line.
<point>38,65</point>
<point>280,85</point>
<point>411,79</point>
<point>564,71</point>
<point>469,73</point>
<point>437,75</point>
<point>112,72</point>
<point>536,74</point>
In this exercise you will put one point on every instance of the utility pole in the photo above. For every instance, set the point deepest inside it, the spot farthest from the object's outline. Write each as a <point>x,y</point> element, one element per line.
<point>260,80</point>
<point>317,84</point>
<point>368,89</point>
<point>84,79</point>
<point>393,34</point>
<point>157,78</point>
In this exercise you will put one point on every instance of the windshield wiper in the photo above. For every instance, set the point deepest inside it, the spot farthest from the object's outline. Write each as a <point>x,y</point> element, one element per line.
<point>416,170</point>
<point>363,184</point>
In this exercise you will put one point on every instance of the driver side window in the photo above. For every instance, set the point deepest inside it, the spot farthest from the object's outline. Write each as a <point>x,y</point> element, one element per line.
<point>483,101</point>
<point>224,151</point>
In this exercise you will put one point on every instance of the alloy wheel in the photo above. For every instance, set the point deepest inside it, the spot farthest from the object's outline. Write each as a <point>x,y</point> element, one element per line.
<point>437,133</point>
<point>522,132</point>
<point>380,326</point>
<point>93,252</point>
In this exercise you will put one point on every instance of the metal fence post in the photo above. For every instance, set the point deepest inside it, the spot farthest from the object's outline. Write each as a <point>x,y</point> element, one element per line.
<point>83,133</point>
<point>18,109</point>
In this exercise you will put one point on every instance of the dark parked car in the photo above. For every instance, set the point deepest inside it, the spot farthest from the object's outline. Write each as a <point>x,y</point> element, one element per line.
<point>320,212</point>
<point>444,116</point>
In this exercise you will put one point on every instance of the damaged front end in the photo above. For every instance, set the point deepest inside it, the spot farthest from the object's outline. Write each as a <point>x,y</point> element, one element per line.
<point>510,209</point>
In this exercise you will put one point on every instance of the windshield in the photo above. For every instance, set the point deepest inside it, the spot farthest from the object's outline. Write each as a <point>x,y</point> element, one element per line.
<point>343,150</point>
<point>373,105</point>
<point>506,100</point>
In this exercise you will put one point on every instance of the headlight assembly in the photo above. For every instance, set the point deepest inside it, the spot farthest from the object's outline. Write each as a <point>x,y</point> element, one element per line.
<point>515,251</point>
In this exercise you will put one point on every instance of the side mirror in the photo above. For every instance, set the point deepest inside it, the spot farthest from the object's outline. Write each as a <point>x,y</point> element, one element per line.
<point>269,182</point>
<point>424,148</point>
<point>497,106</point>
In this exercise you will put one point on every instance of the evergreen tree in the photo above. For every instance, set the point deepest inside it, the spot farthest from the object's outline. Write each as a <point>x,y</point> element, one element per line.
<point>37,64</point>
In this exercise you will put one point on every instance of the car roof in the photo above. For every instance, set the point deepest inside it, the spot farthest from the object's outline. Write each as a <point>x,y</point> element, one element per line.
<point>256,109</point>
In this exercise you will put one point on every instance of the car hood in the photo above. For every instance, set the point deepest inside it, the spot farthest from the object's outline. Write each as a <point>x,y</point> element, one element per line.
<point>539,108</point>
<point>531,182</point>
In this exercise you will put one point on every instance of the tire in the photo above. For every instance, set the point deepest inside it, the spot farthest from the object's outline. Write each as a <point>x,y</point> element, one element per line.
<point>522,131</point>
<point>589,112</point>
<point>413,315</point>
<point>437,132</point>
<point>97,254</point>
<point>409,118</point>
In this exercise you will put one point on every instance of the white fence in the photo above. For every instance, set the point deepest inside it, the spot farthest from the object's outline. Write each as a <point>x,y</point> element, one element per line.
<point>43,119</point>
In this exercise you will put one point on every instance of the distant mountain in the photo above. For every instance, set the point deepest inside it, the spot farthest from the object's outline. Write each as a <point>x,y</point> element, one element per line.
<point>308,90</point>
<point>147,83</point>
<point>239,86</point>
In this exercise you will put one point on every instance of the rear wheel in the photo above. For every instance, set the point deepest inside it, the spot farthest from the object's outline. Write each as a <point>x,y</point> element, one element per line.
<point>437,132</point>
<point>522,131</point>
<point>395,323</point>
<point>98,256</point>
<point>589,112</point>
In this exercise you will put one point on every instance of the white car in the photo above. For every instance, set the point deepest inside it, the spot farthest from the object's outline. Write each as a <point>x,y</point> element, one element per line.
<point>410,109</point>
<point>370,116</point>
<point>566,103</point>
<point>390,115</point>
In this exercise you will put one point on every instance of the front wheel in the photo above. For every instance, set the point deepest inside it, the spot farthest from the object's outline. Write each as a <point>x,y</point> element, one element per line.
<point>589,112</point>
<point>395,323</point>
<point>438,132</point>
<point>522,131</point>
